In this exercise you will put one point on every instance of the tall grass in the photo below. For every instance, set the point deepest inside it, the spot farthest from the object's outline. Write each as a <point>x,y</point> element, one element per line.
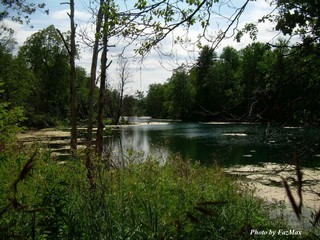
<point>149,200</point>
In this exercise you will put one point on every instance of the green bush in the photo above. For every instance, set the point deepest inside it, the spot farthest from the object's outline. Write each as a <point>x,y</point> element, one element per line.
<point>10,119</point>
<point>40,121</point>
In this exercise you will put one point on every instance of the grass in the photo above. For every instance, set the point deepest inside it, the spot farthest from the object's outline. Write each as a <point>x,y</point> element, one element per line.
<point>41,199</point>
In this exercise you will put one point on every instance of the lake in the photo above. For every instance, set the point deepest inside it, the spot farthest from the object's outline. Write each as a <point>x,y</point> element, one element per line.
<point>223,143</point>
<point>260,154</point>
<point>227,144</point>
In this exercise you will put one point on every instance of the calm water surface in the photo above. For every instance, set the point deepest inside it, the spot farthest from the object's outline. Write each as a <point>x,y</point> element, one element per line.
<point>224,143</point>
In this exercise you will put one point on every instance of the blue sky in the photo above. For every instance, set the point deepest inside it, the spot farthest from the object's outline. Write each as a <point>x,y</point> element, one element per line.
<point>155,68</point>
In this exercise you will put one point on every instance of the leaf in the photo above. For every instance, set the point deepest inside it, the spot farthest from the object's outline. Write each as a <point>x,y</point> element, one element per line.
<point>212,203</point>
<point>299,177</point>
<point>316,218</point>
<point>25,171</point>
<point>292,201</point>
<point>207,212</point>
<point>192,218</point>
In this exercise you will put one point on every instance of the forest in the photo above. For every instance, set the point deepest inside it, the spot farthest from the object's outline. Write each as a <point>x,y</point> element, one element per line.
<point>87,196</point>
<point>258,83</point>
<point>36,80</point>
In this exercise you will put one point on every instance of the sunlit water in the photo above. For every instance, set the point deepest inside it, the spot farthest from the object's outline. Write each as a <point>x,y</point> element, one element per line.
<point>259,154</point>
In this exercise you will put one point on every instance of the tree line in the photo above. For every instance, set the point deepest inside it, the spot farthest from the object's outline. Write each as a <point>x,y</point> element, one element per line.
<point>261,82</point>
<point>258,83</point>
<point>37,79</point>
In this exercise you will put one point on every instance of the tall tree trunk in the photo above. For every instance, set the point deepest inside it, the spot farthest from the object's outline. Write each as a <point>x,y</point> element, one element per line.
<point>120,101</point>
<point>102,91</point>
<point>93,75</point>
<point>124,78</point>
<point>89,151</point>
<point>73,79</point>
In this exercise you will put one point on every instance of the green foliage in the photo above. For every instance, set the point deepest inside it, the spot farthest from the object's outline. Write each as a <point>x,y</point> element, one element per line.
<point>256,83</point>
<point>83,82</point>
<point>18,11</point>
<point>180,95</point>
<point>174,200</point>
<point>293,18</point>
<point>140,107</point>
<point>299,18</point>
<point>37,80</point>
<point>47,58</point>
<point>158,18</point>
<point>16,78</point>
<point>9,122</point>
<point>204,62</point>
<point>10,119</point>
<point>155,101</point>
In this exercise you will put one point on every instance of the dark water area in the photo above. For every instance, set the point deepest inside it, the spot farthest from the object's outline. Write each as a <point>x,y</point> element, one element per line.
<point>226,144</point>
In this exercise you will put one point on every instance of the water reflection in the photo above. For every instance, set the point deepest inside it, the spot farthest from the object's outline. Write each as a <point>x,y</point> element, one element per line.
<point>226,144</point>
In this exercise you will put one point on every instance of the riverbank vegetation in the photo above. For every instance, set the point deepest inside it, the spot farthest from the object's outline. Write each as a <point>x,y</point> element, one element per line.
<point>40,198</point>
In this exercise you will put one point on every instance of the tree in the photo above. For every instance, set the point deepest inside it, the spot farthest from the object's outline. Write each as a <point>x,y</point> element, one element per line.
<point>141,103</point>
<point>72,51</point>
<point>205,61</point>
<point>232,84</point>
<point>155,101</point>
<point>129,106</point>
<point>83,85</point>
<point>109,23</point>
<point>17,79</point>
<point>252,56</point>
<point>299,18</point>
<point>124,74</point>
<point>112,96</point>
<point>93,74</point>
<point>46,56</point>
<point>73,80</point>
<point>10,118</point>
<point>180,95</point>
<point>225,86</point>
<point>149,22</point>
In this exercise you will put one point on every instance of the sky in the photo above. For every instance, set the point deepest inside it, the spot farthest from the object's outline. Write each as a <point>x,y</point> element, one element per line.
<point>154,68</point>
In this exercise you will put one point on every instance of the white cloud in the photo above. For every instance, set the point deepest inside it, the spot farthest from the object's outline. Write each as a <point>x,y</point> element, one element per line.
<point>63,15</point>
<point>21,33</point>
<point>155,68</point>
<point>60,15</point>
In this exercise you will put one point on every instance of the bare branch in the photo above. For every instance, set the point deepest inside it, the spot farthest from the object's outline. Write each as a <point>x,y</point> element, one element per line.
<point>64,41</point>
